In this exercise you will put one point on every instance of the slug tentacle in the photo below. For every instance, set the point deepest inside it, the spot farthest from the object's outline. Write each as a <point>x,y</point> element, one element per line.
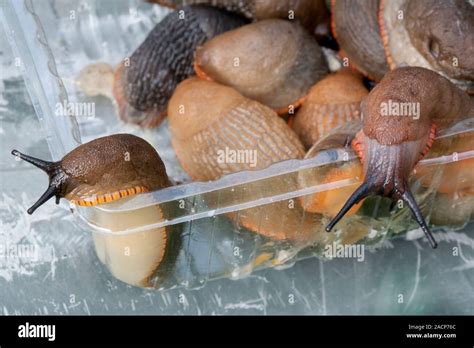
<point>389,170</point>
<point>101,171</point>
<point>410,200</point>
<point>359,194</point>
<point>56,175</point>
<point>400,119</point>
<point>217,120</point>
<point>108,169</point>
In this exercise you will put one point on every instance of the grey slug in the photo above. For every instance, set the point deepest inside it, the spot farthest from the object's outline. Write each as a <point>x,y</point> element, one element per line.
<point>143,85</point>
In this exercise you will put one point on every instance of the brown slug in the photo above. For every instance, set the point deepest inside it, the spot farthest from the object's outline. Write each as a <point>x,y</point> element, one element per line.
<point>144,82</point>
<point>332,102</point>
<point>273,61</point>
<point>309,13</point>
<point>101,171</point>
<point>400,117</point>
<point>208,121</point>
<point>105,170</point>
<point>434,34</point>
<point>355,26</point>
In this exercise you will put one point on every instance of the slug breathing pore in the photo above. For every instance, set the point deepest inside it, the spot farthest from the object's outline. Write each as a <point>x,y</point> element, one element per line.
<point>400,119</point>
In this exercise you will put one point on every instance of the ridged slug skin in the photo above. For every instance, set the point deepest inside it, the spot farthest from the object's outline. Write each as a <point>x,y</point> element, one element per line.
<point>308,12</point>
<point>274,62</point>
<point>207,119</point>
<point>355,26</point>
<point>143,87</point>
<point>330,103</point>
<point>142,258</point>
<point>217,116</point>
<point>434,34</point>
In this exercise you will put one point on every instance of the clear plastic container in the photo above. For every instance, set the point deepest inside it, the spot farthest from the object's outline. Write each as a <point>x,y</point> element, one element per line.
<point>55,40</point>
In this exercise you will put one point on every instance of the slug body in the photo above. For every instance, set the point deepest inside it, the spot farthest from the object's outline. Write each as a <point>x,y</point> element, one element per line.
<point>102,170</point>
<point>392,142</point>
<point>309,13</point>
<point>208,121</point>
<point>274,62</point>
<point>327,201</point>
<point>434,34</point>
<point>144,84</point>
<point>106,170</point>
<point>332,102</point>
<point>214,116</point>
<point>354,24</point>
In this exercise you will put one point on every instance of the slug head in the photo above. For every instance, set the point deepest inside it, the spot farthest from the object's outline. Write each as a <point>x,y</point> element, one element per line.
<point>387,168</point>
<point>103,170</point>
<point>57,179</point>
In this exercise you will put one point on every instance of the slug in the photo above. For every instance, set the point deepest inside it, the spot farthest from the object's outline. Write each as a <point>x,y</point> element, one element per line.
<point>309,12</point>
<point>274,62</point>
<point>327,202</point>
<point>96,80</point>
<point>145,81</point>
<point>434,34</point>
<point>332,102</point>
<point>216,131</point>
<point>400,118</point>
<point>105,170</point>
<point>355,26</point>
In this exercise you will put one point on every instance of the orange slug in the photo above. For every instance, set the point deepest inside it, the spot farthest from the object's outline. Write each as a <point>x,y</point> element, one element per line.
<point>208,121</point>
<point>400,118</point>
<point>332,102</point>
<point>274,62</point>
<point>327,202</point>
